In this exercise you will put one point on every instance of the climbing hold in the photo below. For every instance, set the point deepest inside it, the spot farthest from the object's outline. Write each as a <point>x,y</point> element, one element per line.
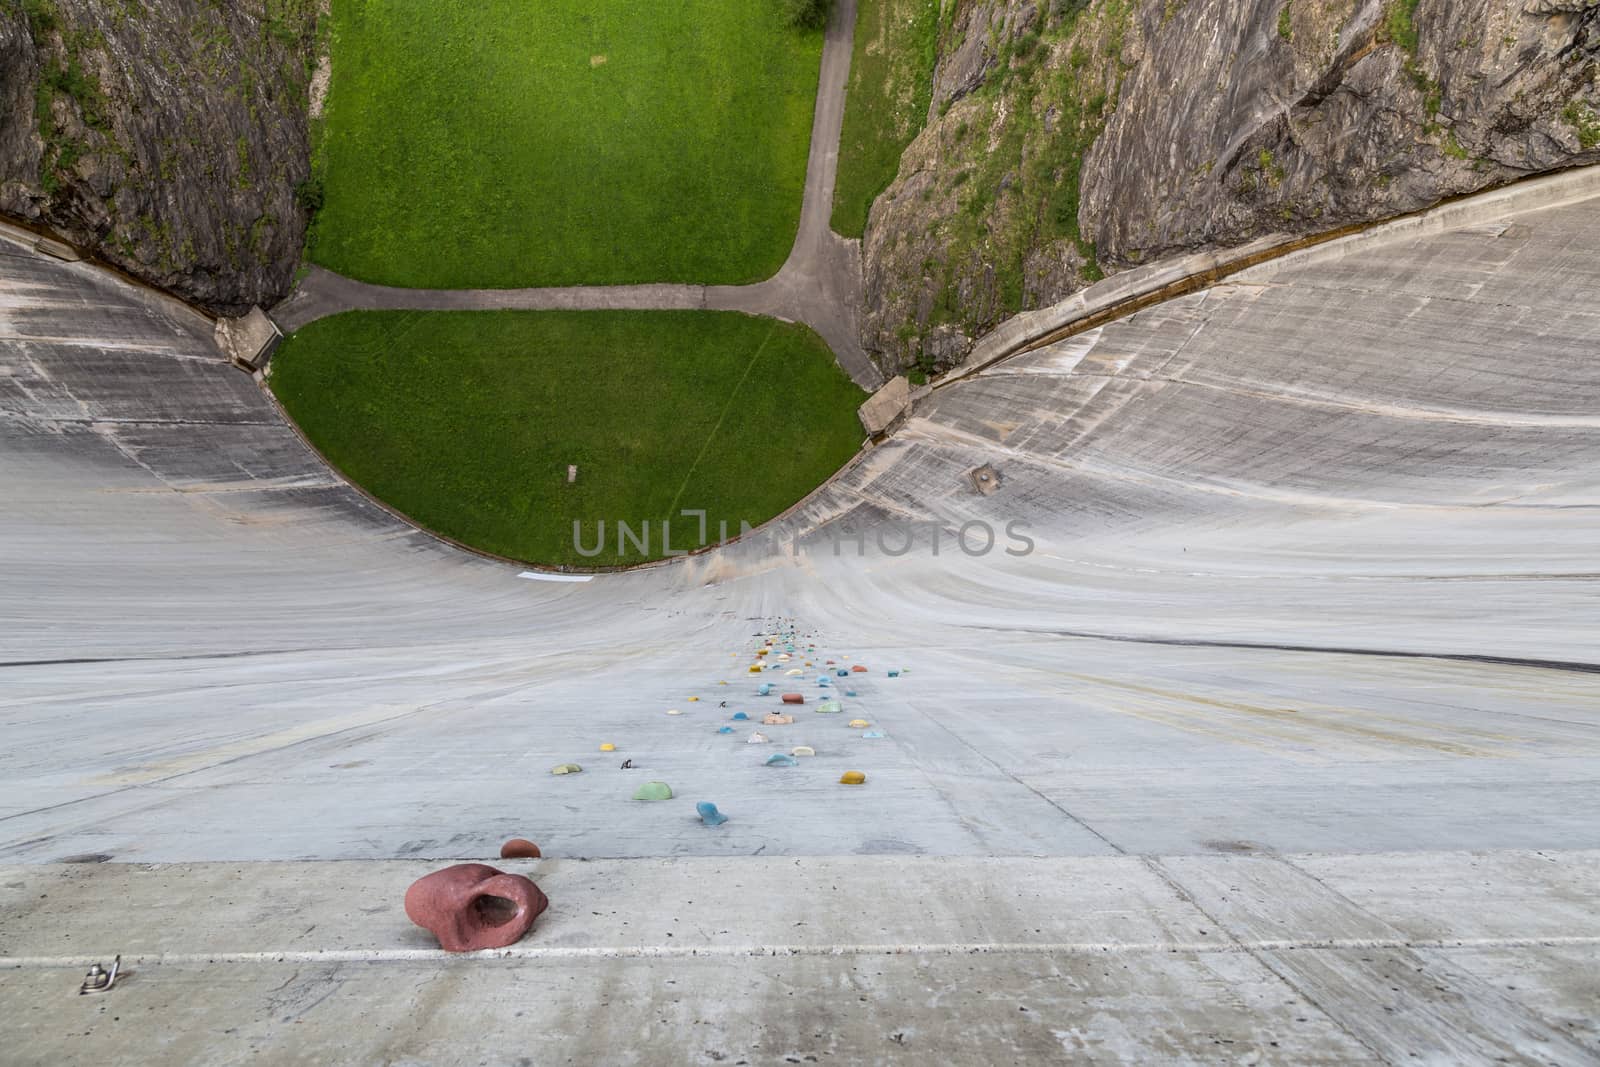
<point>829,707</point>
<point>894,674</point>
<point>740,716</point>
<point>794,673</point>
<point>873,735</point>
<point>722,704</point>
<point>565,768</point>
<point>757,738</point>
<point>766,687</point>
<point>802,750</point>
<point>694,700</point>
<point>852,778</point>
<point>849,692</point>
<point>451,904</point>
<point>627,765</point>
<point>842,673</point>
<point>709,813</point>
<point>722,683</point>
<point>761,652</point>
<point>724,729</point>
<point>653,791</point>
<point>755,668</point>
<point>608,747</point>
<point>859,724</point>
<point>774,719</point>
<point>793,698</point>
<point>858,669</point>
<point>778,759</point>
<point>823,681</point>
<point>519,848</point>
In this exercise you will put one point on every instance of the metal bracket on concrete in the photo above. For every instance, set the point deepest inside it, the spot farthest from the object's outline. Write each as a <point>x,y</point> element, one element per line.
<point>100,980</point>
<point>985,479</point>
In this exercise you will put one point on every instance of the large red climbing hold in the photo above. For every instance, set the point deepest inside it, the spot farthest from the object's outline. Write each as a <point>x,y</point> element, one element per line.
<point>793,698</point>
<point>473,906</point>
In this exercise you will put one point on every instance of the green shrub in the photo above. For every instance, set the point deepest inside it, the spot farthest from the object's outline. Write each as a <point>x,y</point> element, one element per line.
<point>806,14</point>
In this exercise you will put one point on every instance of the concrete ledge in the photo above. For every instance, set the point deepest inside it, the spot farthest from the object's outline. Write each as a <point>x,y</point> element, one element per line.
<point>1290,958</point>
<point>248,341</point>
<point>49,246</point>
<point>886,407</point>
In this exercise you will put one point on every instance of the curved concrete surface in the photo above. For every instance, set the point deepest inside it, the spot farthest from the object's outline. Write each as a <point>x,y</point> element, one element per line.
<point>819,284</point>
<point>1304,661</point>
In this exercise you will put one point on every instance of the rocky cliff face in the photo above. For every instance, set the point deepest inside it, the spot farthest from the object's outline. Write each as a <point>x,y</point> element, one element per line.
<point>1069,142</point>
<point>168,137</point>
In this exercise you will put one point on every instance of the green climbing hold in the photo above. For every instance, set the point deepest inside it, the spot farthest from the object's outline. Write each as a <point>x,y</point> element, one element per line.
<point>565,768</point>
<point>653,791</point>
<point>829,707</point>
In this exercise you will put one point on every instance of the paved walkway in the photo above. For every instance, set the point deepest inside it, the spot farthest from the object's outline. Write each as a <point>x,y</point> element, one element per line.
<point>819,284</point>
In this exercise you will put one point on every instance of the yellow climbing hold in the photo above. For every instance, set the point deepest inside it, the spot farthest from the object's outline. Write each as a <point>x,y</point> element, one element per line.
<point>694,700</point>
<point>859,724</point>
<point>608,747</point>
<point>852,778</point>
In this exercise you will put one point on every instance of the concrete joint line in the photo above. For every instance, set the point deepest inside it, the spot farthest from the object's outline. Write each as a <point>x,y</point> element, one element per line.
<point>998,948</point>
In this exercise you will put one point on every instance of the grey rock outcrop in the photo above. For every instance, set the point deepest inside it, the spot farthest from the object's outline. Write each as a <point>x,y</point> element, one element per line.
<point>166,137</point>
<point>1069,142</point>
<point>1333,113</point>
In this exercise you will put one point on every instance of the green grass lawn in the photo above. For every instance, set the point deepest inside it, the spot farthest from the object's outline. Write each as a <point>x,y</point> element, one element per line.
<point>891,84</point>
<point>466,421</point>
<point>508,143</point>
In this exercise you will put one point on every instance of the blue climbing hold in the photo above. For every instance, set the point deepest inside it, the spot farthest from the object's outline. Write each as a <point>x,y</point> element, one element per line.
<point>724,729</point>
<point>823,682</point>
<point>894,674</point>
<point>849,692</point>
<point>740,716</point>
<point>709,813</point>
<point>766,687</point>
<point>779,759</point>
<point>842,672</point>
<point>873,735</point>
